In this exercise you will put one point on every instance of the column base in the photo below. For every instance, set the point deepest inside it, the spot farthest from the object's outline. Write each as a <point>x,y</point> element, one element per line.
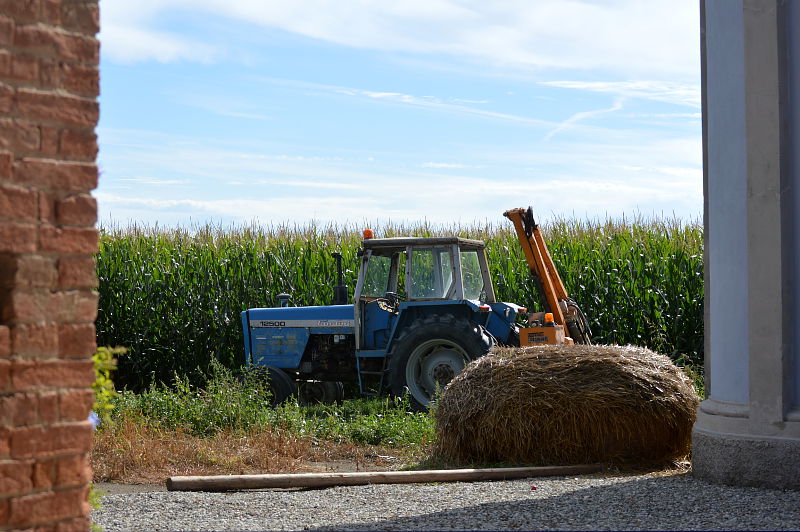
<point>742,459</point>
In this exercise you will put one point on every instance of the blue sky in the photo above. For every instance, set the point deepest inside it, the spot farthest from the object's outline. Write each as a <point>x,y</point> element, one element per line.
<point>362,112</point>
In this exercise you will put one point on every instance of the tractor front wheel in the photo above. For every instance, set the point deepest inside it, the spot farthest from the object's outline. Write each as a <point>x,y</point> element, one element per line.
<point>430,353</point>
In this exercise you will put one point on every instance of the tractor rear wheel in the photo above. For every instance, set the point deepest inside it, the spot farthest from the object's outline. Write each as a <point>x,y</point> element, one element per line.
<point>430,352</point>
<point>321,392</point>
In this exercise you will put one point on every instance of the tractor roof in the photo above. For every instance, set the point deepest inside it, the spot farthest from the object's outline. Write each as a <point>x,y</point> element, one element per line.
<point>403,241</point>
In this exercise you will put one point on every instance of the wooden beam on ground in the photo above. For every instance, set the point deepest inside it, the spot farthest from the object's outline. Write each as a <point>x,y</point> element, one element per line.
<point>325,480</point>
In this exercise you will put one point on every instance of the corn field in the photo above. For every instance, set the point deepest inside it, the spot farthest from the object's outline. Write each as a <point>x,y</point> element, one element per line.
<point>174,297</point>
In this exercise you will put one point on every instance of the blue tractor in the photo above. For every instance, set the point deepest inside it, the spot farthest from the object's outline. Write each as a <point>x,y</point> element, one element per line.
<point>422,309</point>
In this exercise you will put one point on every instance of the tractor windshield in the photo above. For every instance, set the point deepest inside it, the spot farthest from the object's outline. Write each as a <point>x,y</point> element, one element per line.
<point>431,273</point>
<point>376,281</point>
<point>471,273</point>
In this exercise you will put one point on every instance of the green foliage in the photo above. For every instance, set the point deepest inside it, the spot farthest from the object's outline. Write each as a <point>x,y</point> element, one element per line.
<point>175,297</point>
<point>103,385</point>
<point>384,421</point>
<point>243,404</point>
<point>225,402</point>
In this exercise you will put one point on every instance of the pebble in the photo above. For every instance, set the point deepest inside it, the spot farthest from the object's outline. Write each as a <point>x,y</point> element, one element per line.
<point>596,502</point>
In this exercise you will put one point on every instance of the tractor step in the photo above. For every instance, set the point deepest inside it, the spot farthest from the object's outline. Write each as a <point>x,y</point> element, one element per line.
<point>370,382</point>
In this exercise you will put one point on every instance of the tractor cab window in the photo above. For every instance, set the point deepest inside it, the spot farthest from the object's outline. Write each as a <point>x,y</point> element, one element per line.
<point>431,273</point>
<point>471,273</point>
<point>376,280</point>
<point>382,273</point>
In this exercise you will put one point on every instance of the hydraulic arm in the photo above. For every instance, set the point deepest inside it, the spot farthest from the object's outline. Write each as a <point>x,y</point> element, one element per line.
<point>564,310</point>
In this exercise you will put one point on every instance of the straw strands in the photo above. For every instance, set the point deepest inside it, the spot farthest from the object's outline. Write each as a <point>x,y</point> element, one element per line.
<point>561,404</point>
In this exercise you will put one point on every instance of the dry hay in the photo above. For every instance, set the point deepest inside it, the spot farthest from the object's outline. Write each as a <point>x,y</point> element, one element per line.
<point>561,404</point>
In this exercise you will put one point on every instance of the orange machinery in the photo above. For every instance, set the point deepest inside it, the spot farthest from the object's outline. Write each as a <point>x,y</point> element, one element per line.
<point>562,321</point>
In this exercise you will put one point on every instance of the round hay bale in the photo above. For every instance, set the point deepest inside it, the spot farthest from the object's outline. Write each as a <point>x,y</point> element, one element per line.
<point>567,404</point>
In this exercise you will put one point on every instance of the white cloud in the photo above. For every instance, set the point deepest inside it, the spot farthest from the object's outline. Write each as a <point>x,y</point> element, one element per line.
<point>126,43</point>
<point>626,36</point>
<point>662,91</point>
<point>432,103</point>
<point>154,181</point>
<point>574,119</point>
<point>445,165</point>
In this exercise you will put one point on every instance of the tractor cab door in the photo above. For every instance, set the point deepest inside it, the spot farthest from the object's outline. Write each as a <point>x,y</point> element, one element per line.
<point>376,297</point>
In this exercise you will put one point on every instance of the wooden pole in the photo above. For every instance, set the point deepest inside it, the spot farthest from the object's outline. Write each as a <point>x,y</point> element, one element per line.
<point>324,480</point>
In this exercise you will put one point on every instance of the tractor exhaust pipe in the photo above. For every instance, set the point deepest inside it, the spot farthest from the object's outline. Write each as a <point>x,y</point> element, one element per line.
<point>340,290</point>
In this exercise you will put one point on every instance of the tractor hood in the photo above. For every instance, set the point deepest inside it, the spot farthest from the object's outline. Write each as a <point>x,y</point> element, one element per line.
<point>331,316</point>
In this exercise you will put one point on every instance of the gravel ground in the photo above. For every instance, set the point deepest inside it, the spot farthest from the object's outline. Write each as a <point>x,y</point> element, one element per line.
<point>597,502</point>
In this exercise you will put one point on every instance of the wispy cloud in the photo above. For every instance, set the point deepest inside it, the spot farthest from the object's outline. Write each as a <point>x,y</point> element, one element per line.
<point>153,181</point>
<point>574,119</point>
<point>400,98</point>
<point>128,43</point>
<point>446,165</point>
<point>516,34</point>
<point>687,94</point>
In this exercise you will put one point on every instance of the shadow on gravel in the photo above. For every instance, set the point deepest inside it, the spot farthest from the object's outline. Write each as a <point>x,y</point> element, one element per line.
<point>679,502</point>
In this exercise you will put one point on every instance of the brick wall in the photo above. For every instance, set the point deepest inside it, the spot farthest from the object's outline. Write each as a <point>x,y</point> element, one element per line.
<point>48,111</point>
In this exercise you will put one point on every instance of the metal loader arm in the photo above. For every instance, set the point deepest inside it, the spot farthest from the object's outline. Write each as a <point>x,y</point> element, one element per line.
<point>539,260</point>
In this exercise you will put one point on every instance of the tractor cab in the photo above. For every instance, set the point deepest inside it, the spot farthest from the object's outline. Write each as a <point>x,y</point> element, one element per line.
<point>423,308</point>
<point>415,270</point>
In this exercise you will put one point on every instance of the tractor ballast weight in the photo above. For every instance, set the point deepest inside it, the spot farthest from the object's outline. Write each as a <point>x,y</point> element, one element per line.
<point>422,309</point>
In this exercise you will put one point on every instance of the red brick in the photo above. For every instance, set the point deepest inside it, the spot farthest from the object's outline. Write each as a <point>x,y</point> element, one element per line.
<point>80,209</point>
<point>5,165</point>
<point>77,524</point>
<point>48,74</point>
<point>34,340</point>
<point>25,68</point>
<point>31,510</point>
<point>80,79</point>
<point>19,135</point>
<point>81,16</point>
<point>5,60</point>
<point>5,376</point>
<point>51,11</point>
<point>48,41</point>
<point>47,208</point>
<point>74,502</point>
<point>77,272</point>
<point>5,443</point>
<point>73,437</point>
<point>26,306</point>
<point>68,239</point>
<point>26,442</point>
<point>62,109</point>
<point>75,306</point>
<point>76,341</point>
<point>15,477</point>
<point>49,140</point>
<point>44,474</point>
<point>76,405</point>
<point>4,510</point>
<point>27,271</point>
<point>17,203</point>
<point>49,408</point>
<point>6,98</point>
<point>6,30</point>
<point>17,238</point>
<point>19,409</point>
<point>20,9</point>
<point>50,374</point>
<point>5,350</point>
<point>73,471</point>
<point>56,175</point>
<point>78,145</point>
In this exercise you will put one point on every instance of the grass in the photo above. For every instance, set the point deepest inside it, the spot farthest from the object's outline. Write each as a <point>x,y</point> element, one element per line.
<point>227,427</point>
<point>173,297</point>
